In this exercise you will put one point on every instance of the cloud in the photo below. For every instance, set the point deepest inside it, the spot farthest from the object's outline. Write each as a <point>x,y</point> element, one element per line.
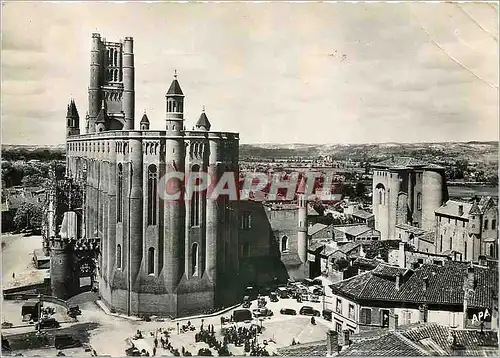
<point>316,73</point>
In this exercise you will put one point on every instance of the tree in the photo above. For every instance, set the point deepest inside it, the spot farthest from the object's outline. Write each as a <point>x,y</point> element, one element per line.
<point>28,216</point>
<point>360,189</point>
<point>341,264</point>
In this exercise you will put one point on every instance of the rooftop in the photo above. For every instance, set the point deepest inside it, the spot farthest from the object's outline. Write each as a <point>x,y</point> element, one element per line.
<point>445,285</point>
<point>405,163</point>
<point>421,339</point>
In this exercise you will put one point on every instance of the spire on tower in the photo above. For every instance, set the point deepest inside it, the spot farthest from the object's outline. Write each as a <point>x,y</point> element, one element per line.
<point>203,122</point>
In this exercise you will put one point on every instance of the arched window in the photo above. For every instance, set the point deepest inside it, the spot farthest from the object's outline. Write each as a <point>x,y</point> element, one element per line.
<point>381,193</point>
<point>152,193</point>
<point>109,56</point>
<point>194,259</point>
<point>118,256</point>
<point>151,260</point>
<point>419,201</point>
<point>485,224</point>
<point>195,200</point>
<point>284,244</point>
<point>119,195</point>
<point>115,58</point>
<point>115,75</point>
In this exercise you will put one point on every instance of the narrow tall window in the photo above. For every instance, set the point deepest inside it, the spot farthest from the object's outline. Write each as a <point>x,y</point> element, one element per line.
<point>419,201</point>
<point>465,250</point>
<point>119,257</point>
<point>380,197</point>
<point>152,193</point>
<point>451,242</point>
<point>284,244</point>
<point>493,224</point>
<point>195,200</point>
<point>115,58</point>
<point>246,221</point>
<point>151,261</point>
<point>485,224</point>
<point>194,259</point>
<point>119,195</point>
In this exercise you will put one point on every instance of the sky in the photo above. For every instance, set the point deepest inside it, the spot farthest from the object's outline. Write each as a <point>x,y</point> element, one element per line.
<point>274,72</point>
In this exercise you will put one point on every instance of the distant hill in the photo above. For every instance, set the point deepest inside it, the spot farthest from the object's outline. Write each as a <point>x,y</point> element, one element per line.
<point>472,151</point>
<point>30,152</point>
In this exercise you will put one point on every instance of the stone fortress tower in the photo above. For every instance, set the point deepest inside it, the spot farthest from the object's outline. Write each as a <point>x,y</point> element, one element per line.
<point>406,191</point>
<point>158,257</point>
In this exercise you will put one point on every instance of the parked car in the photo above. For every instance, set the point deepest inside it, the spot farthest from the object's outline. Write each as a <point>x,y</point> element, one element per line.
<point>309,311</point>
<point>62,341</point>
<point>273,297</point>
<point>246,302</point>
<point>47,323</point>
<point>283,292</point>
<point>262,312</point>
<point>288,311</point>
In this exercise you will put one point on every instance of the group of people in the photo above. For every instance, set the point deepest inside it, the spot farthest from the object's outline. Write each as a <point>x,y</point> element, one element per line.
<point>246,337</point>
<point>208,336</point>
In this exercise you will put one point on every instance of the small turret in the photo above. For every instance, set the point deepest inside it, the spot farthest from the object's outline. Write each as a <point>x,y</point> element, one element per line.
<point>72,120</point>
<point>102,120</point>
<point>203,123</point>
<point>144,122</point>
<point>175,107</point>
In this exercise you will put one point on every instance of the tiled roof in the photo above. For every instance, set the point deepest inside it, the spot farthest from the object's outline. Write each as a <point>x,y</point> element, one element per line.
<point>315,228</point>
<point>363,214</point>
<point>348,247</point>
<point>400,162</point>
<point>445,285</point>
<point>353,230</point>
<point>412,229</point>
<point>389,344</point>
<point>416,340</point>
<point>473,341</point>
<point>311,349</point>
<point>450,208</point>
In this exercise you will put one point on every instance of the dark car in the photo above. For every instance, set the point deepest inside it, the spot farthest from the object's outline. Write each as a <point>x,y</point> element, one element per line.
<point>309,311</point>
<point>62,341</point>
<point>47,323</point>
<point>288,311</point>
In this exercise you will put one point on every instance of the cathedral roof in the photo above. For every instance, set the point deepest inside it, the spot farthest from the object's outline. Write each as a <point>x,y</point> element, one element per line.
<point>72,111</point>
<point>145,119</point>
<point>203,121</point>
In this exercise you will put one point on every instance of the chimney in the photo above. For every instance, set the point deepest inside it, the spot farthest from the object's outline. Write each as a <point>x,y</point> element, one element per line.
<point>332,343</point>
<point>402,255</point>
<point>345,338</point>
<point>426,283</point>
<point>393,321</point>
<point>460,210</point>
<point>423,313</point>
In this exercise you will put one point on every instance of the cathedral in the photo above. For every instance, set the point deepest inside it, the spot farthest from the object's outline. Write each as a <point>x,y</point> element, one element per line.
<point>156,257</point>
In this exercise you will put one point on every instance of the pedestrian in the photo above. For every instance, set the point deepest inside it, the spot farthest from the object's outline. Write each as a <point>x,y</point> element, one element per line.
<point>154,351</point>
<point>156,342</point>
<point>13,275</point>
